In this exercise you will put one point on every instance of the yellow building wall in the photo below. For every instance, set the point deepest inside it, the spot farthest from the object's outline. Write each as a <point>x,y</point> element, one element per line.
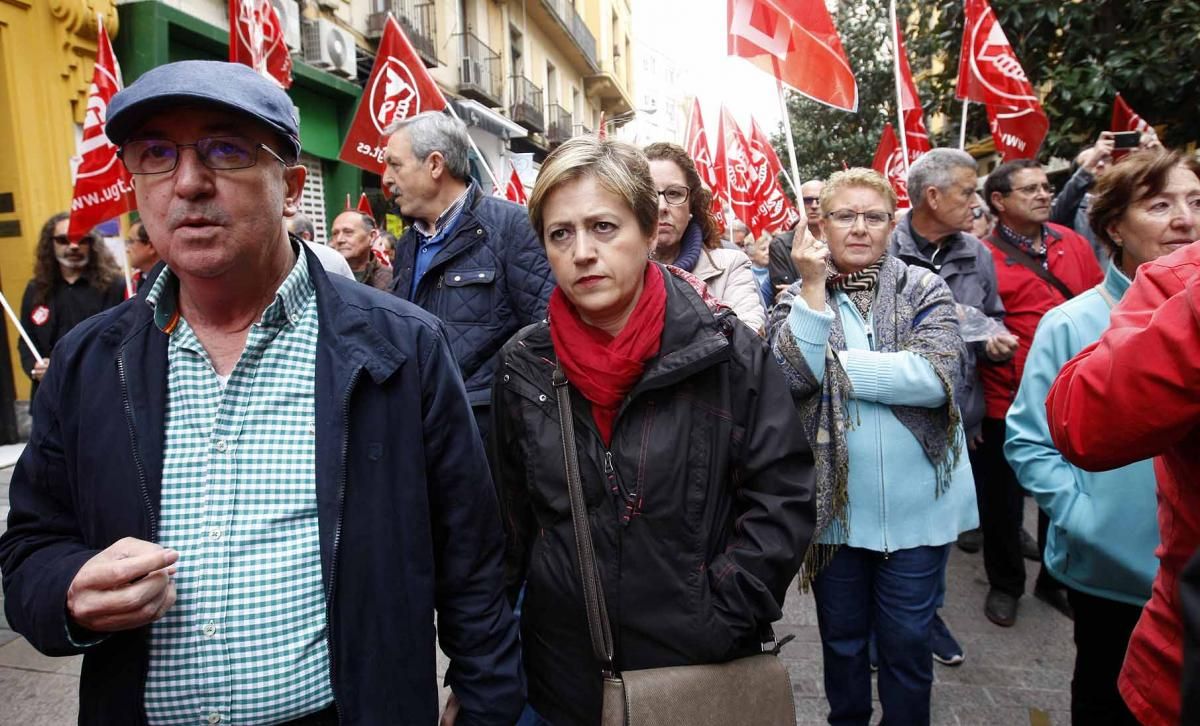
<point>47,49</point>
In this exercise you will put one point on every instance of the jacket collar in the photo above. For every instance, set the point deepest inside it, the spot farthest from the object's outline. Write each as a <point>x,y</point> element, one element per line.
<point>908,249</point>
<point>707,267</point>
<point>1115,282</point>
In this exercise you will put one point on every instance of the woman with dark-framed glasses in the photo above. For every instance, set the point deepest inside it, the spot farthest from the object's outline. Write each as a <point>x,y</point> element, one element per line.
<point>688,237</point>
<point>871,346</point>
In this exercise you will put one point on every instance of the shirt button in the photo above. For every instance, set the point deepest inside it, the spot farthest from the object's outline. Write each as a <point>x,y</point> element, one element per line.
<point>295,318</point>
<point>214,533</point>
<point>214,717</point>
<point>221,445</point>
<point>209,630</point>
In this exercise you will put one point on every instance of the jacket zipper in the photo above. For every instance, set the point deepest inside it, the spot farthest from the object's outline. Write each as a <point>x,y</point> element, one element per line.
<point>337,537</point>
<point>137,456</point>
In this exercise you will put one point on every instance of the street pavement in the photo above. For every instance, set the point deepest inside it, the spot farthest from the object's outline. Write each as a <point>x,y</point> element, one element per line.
<point>1012,676</point>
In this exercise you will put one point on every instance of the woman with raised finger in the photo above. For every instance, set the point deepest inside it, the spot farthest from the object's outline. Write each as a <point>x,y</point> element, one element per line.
<point>870,346</point>
<point>698,487</point>
<point>688,237</point>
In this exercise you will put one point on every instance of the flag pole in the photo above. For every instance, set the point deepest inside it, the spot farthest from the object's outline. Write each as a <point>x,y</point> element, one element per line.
<point>479,154</point>
<point>787,130</point>
<point>20,329</point>
<point>899,84</point>
<point>962,129</point>
<point>129,291</point>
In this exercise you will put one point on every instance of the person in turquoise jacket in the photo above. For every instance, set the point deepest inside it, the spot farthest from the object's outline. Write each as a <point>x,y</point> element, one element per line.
<point>1104,529</point>
<point>871,346</point>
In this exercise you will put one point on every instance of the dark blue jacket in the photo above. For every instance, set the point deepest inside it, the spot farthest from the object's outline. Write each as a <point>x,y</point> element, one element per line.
<point>489,280</point>
<point>408,519</point>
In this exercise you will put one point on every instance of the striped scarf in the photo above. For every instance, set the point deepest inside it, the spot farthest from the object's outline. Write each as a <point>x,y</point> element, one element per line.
<point>858,286</point>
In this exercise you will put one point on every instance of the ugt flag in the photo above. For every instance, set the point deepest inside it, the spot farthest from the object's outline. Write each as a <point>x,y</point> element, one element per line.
<point>795,41</point>
<point>399,87</point>
<point>103,188</point>
<point>774,211</point>
<point>697,147</point>
<point>916,137</point>
<point>256,40</point>
<point>989,73</point>
<point>889,161</point>
<point>735,172</point>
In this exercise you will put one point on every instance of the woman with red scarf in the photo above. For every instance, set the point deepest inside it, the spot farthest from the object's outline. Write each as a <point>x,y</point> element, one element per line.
<point>695,469</point>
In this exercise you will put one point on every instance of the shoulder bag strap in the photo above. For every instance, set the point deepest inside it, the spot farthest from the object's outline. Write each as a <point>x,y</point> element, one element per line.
<point>1032,265</point>
<point>593,593</point>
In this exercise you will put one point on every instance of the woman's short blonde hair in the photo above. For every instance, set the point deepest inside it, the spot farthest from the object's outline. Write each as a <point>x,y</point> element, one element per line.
<point>857,177</point>
<point>618,167</point>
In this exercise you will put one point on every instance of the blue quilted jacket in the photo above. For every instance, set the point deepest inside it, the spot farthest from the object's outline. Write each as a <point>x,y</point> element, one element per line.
<point>489,280</point>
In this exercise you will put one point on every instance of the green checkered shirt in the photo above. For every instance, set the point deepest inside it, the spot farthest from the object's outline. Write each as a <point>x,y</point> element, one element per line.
<point>245,641</point>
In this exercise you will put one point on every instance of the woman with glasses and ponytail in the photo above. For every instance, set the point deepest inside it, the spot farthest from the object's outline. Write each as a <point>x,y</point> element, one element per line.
<point>73,279</point>
<point>687,235</point>
<point>870,347</point>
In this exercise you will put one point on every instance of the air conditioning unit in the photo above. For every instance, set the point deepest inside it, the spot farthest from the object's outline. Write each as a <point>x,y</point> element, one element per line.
<point>329,47</point>
<point>289,17</point>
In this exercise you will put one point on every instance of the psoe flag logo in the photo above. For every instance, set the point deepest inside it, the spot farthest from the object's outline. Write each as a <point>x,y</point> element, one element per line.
<point>996,52</point>
<point>394,94</point>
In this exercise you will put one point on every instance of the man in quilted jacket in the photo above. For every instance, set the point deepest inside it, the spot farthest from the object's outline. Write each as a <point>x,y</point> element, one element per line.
<point>469,258</point>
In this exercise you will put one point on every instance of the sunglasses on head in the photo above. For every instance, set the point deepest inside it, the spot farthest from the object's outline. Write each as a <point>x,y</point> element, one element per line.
<point>62,239</point>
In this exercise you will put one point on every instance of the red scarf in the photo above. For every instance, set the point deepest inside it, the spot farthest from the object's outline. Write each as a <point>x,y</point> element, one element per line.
<point>602,367</point>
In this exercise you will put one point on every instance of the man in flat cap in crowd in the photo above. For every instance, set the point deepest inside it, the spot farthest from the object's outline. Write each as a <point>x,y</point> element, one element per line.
<point>248,491</point>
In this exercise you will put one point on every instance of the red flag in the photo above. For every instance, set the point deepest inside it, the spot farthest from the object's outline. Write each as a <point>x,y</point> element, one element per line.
<point>256,39</point>
<point>514,191</point>
<point>602,132</point>
<point>795,41</point>
<point>774,210</point>
<point>697,147</point>
<point>915,135</point>
<point>735,172</point>
<point>989,73</point>
<point>103,187</point>
<point>364,205</point>
<point>889,161</point>
<point>1124,119</point>
<point>399,87</point>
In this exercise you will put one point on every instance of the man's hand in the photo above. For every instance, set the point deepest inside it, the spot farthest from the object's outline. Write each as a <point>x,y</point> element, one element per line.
<point>1000,348</point>
<point>1099,155</point>
<point>39,369</point>
<point>126,586</point>
<point>451,713</point>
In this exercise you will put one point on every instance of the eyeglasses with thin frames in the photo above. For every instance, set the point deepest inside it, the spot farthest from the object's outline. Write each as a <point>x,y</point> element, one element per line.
<point>845,218</point>
<point>1030,189</point>
<point>219,153</point>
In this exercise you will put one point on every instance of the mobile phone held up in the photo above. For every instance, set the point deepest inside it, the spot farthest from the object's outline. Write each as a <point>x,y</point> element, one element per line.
<point>1126,139</point>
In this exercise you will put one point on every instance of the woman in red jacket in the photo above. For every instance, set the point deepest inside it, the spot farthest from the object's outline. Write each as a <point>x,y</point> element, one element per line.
<point>1133,395</point>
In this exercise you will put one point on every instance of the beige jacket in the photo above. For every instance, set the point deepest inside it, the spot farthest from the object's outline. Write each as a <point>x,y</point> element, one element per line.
<point>730,279</point>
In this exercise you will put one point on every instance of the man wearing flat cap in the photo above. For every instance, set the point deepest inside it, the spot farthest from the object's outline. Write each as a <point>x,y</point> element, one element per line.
<point>249,493</point>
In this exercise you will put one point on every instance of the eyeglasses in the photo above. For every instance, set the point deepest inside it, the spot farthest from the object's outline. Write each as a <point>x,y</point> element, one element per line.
<point>62,239</point>
<point>675,195</point>
<point>811,200</point>
<point>1030,189</point>
<point>977,213</point>
<point>844,218</point>
<point>220,153</point>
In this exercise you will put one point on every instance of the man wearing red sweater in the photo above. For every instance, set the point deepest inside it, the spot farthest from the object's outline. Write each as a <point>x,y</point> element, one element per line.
<point>1133,395</point>
<point>1038,266</point>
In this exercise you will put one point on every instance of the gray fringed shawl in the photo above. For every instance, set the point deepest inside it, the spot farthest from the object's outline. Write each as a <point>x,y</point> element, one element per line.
<point>913,311</point>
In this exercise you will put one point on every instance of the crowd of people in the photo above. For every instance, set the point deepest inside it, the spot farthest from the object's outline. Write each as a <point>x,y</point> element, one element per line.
<point>264,469</point>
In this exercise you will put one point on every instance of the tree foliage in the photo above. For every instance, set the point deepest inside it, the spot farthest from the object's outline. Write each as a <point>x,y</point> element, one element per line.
<point>1079,54</point>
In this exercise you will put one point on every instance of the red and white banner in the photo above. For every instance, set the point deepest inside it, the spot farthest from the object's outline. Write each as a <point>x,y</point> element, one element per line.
<point>989,73</point>
<point>514,190</point>
<point>735,173</point>
<point>256,39</point>
<point>916,137</point>
<point>795,41</point>
<point>889,161</point>
<point>1124,118</point>
<point>774,211</point>
<point>697,147</point>
<point>399,87</point>
<point>103,188</point>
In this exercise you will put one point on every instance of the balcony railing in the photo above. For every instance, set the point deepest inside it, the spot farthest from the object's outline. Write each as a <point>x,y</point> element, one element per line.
<point>580,130</point>
<point>526,106</point>
<point>479,70</point>
<point>559,127</point>
<point>575,27</point>
<point>418,19</point>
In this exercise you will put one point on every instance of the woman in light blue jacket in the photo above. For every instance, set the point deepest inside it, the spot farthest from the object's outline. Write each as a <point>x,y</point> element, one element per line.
<point>1104,526</point>
<point>870,346</point>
